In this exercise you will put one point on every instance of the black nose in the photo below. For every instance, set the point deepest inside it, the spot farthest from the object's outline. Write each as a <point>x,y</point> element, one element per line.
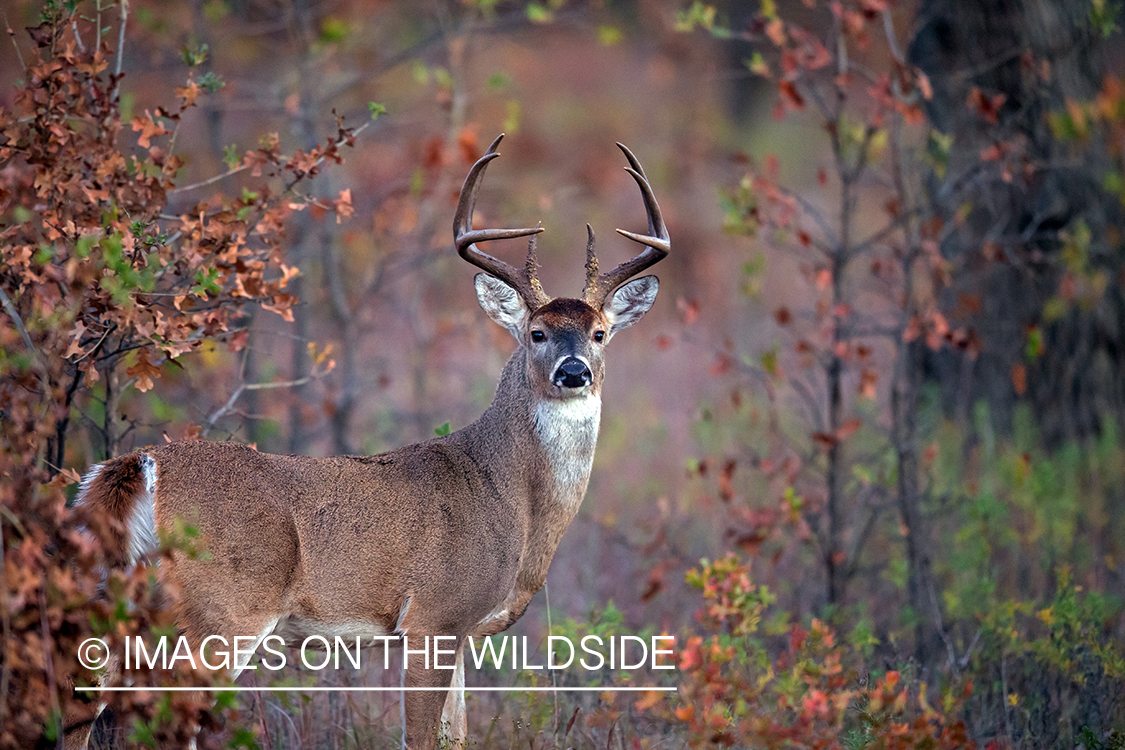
<point>572,373</point>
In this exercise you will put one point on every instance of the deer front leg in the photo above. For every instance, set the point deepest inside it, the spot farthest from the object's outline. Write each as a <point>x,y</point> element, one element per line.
<point>454,721</point>
<point>424,708</point>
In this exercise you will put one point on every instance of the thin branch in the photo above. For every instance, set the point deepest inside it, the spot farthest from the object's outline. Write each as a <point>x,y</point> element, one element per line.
<point>892,39</point>
<point>813,212</point>
<point>892,226</point>
<point>941,623</point>
<point>228,407</point>
<point>124,6</point>
<point>77,36</point>
<point>5,629</point>
<point>972,646</point>
<point>12,36</point>
<point>208,181</point>
<point>15,316</point>
<point>48,665</point>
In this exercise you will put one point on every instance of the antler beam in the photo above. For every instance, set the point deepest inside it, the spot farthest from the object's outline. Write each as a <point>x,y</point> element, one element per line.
<point>657,243</point>
<point>526,280</point>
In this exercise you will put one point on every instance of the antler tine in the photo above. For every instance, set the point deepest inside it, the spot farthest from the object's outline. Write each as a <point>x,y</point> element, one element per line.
<point>591,261</point>
<point>657,243</point>
<point>524,280</point>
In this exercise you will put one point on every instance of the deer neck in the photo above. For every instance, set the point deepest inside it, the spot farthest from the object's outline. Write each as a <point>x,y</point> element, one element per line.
<point>556,437</point>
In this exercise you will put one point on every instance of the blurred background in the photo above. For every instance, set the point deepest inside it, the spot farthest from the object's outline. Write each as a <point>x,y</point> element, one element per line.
<point>885,370</point>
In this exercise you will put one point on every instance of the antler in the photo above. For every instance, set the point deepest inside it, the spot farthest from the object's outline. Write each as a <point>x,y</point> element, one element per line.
<point>657,243</point>
<point>525,281</point>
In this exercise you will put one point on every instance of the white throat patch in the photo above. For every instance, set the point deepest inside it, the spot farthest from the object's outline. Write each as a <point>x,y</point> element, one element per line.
<point>568,430</point>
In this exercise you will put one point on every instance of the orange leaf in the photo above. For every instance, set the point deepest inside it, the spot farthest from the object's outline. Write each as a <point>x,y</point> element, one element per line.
<point>344,206</point>
<point>144,371</point>
<point>148,128</point>
<point>650,699</point>
<point>188,93</point>
<point>690,310</point>
<point>1019,378</point>
<point>823,279</point>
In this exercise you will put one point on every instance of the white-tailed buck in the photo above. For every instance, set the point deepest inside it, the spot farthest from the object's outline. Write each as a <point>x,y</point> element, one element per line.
<point>450,537</point>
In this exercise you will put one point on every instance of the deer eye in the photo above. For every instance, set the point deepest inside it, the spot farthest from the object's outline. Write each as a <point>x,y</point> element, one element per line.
<point>599,336</point>
<point>538,337</point>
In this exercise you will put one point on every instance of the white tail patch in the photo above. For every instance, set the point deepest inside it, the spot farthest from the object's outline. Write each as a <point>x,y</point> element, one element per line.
<point>84,487</point>
<point>568,430</point>
<point>141,524</point>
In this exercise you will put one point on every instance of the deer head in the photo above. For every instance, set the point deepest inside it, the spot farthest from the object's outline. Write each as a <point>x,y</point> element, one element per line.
<point>565,337</point>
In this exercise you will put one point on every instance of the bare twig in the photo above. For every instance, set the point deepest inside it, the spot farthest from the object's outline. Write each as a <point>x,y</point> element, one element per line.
<point>124,7</point>
<point>972,647</point>
<point>18,321</point>
<point>813,212</point>
<point>889,30</point>
<point>5,629</point>
<point>208,181</point>
<point>48,664</point>
<point>12,36</point>
<point>228,407</point>
<point>77,36</point>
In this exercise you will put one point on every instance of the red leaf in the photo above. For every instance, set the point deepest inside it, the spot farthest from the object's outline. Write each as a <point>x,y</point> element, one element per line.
<point>689,308</point>
<point>848,428</point>
<point>825,440</point>
<point>722,364</point>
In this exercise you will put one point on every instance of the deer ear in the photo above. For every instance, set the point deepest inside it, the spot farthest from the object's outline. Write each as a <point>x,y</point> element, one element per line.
<point>502,303</point>
<point>629,303</point>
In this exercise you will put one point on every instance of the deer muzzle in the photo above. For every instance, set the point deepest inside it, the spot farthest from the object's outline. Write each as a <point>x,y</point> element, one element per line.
<point>572,373</point>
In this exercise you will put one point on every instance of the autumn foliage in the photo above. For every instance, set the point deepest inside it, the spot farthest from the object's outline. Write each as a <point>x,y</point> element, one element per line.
<point>815,694</point>
<point>101,288</point>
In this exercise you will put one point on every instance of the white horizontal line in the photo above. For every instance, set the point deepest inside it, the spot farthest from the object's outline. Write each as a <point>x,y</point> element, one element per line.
<point>323,689</point>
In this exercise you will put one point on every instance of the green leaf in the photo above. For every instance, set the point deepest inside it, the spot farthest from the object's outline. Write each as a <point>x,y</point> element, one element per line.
<point>194,57</point>
<point>700,14</point>
<point>215,10</point>
<point>536,13</point>
<point>1034,345</point>
<point>230,156</point>
<point>84,245</point>
<point>210,82</point>
<point>445,429</point>
<point>205,281</point>
<point>512,116</point>
<point>499,80</point>
<point>769,361</point>
<point>376,109</point>
<point>609,35</point>
<point>333,30</point>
